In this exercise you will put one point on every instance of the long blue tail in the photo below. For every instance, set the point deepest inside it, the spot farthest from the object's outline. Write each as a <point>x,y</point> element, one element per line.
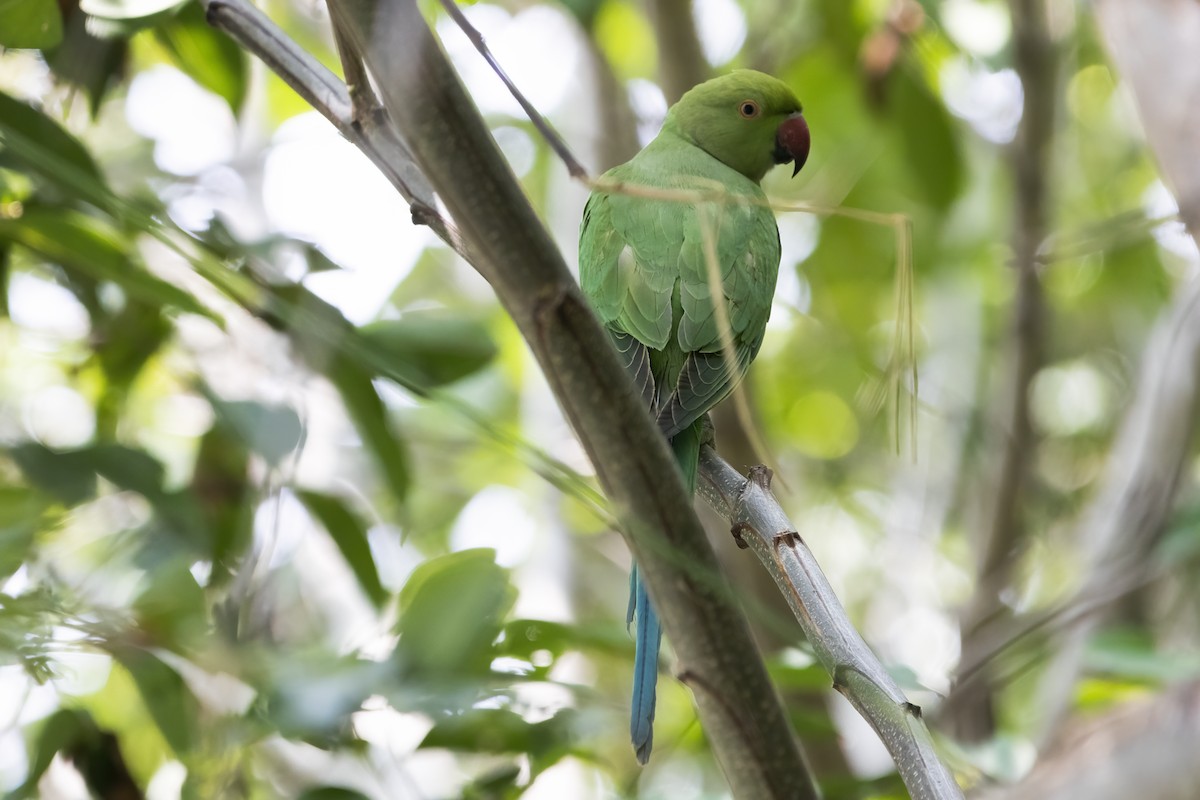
<point>648,634</point>
<point>647,641</point>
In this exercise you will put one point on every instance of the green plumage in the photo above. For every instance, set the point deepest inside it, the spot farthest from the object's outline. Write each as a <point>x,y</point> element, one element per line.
<point>643,266</point>
<point>642,260</point>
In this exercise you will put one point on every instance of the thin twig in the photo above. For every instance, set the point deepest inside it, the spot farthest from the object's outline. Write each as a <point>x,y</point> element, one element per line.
<point>255,32</point>
<point>358,84</point>
<point>761,525</point>
<point>261,37</point>
<point>548,133</point>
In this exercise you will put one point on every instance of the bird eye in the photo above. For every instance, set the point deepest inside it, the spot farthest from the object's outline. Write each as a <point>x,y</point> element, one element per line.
<point>748,109</point>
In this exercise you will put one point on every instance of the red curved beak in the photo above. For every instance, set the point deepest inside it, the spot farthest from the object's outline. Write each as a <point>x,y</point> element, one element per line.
<point>792,142</point>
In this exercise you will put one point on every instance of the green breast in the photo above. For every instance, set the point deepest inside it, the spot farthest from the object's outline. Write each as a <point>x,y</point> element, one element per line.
<point>643,263</point>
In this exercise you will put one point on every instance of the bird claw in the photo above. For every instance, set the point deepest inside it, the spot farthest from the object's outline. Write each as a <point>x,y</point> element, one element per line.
<point>738,532</point>
<point>761,476</point>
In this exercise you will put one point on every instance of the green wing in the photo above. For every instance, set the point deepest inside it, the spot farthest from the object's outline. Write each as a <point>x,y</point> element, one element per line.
<point>643,268</point>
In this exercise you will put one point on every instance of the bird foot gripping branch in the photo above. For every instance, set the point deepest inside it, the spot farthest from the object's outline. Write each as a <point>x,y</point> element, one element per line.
<point>762,475</point>
<point>685,293</point>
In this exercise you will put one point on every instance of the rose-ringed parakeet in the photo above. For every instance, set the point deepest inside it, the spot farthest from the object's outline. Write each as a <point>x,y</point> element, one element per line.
<point>643,266</point>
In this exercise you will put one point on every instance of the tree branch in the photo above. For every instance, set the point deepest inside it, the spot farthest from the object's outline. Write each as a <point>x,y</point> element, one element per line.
<point>453,148</point>
<point>1154,45</point>
<point>760,524</point>
<point>969,708</point>
<point>1145,749</point>
<point>370,132</point>
<point>547,131</point>
<point>681,63</point>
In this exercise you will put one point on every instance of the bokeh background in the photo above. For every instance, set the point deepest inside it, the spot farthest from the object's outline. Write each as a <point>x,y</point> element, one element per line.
<point>286,505</point>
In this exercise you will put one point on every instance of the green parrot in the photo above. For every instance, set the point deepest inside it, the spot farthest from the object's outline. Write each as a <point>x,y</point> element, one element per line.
<point>643,267</point>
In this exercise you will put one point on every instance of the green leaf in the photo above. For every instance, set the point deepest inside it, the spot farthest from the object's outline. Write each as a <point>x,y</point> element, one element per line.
<point>128,468</point>
<point>27,623</point>
<point>314,694</point>
<point>1180,543</point>
<point>172,607</point>
<point>583,10</point>
<point>500,783</point>
<point>61,731</point>
<point>315,258</point>
<point>496,730</point>
<point>88,60</point>
<point>226,501</point>
<point>272,431</point>
<point>1131,653</point>
<point>451,611</point>
<point>329,344</point>
<point>482,730</point>
<point>30,23</point>
<point>434,348</point>
<point>15,187</point>
<point>350,535</point>
<point>370,417</point>
<point>128,341</point>
<point>68,476</point>
<point>89,246</point>
<point>209,56</point>
<point>53,143</point>
<point>332,793</point>
<point>317,328</point>
<point>524,637</point>
<point>123,344</point>
<point>931,148</point>
<point>22,515</point>
<point>223,243</point>
<point>5,271</point>
<point>120,708</point>
<point>165,695</point>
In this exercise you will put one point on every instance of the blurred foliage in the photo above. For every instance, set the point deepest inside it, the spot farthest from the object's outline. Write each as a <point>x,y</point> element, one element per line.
<point>257,543</point>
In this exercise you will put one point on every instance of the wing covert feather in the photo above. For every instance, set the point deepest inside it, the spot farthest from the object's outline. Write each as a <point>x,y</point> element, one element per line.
<point>642,263</point>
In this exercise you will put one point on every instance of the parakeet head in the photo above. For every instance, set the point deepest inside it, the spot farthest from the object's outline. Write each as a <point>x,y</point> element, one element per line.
<point>746,119</point>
